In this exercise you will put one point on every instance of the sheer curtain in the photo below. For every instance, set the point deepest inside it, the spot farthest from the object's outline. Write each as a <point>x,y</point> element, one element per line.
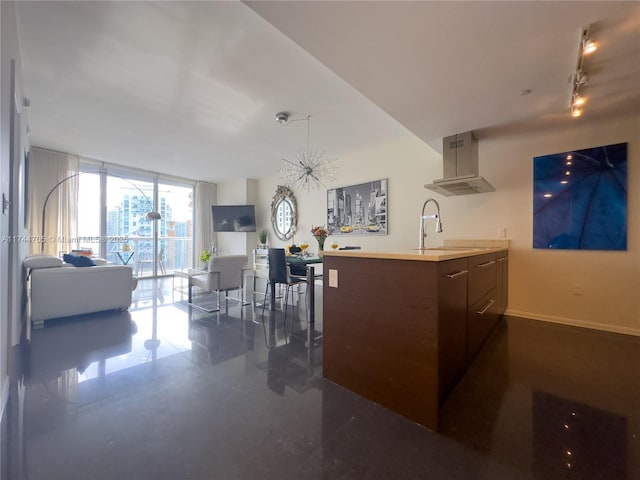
<point>205,194</point>
<point>46,169</point>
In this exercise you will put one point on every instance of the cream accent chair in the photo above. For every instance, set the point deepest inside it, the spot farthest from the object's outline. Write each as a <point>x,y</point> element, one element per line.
<point>225,273</point>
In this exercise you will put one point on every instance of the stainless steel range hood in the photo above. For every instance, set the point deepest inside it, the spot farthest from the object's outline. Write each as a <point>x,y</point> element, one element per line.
<point>460,167</point>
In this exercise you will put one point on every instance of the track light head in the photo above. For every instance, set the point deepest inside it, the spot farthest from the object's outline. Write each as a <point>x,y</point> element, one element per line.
<point>589,47</point>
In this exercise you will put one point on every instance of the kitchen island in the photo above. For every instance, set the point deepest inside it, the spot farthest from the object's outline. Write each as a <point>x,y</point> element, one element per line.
<point>401,328</point>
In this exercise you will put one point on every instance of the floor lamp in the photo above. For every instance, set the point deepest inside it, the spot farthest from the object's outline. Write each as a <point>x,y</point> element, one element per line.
<point>151,215</point>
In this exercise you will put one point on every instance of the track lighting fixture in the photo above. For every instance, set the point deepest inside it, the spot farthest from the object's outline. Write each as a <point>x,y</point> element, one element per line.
<point>579,79</point>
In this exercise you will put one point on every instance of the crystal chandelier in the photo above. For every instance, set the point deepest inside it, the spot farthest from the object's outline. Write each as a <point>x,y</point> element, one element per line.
<point>308,169</point>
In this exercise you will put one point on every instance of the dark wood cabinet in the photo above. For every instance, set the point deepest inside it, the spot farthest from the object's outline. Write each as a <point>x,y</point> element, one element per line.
<point>381,333</point>
<point>485,299</point>
<point>452,325</point>
<point>402,332</point>
<point>502,281</point>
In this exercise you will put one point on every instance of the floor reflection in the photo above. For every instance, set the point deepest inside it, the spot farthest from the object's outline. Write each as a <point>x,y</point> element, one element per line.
<point>76,349</point>
<point>296,363</point>
<point>538,391</point>
<point>572,440</point>
<point>213,342</point>
<point>138,394</point>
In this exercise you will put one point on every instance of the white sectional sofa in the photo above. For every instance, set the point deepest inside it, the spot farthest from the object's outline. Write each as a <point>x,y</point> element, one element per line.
<point>62,291</point>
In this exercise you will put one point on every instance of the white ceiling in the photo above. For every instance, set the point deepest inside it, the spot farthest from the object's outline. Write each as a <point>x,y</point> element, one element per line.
<point>191,88</point>
<point>442,68</point>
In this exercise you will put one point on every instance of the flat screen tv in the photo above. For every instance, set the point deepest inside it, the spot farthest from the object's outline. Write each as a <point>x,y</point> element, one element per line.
<point>234,218</point>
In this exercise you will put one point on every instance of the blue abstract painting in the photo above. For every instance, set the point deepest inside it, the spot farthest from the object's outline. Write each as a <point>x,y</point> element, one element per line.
<point>580,199</point>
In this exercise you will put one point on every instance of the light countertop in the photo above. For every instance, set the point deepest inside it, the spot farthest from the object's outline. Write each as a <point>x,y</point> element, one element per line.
<point>451,250</point>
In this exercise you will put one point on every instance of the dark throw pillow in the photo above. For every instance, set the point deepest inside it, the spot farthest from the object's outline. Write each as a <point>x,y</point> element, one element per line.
<point>78,260</point>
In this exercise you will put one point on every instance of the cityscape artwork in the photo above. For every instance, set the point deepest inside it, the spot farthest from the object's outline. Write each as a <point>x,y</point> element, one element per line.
<point>358,209</point>
<point>580,199</point>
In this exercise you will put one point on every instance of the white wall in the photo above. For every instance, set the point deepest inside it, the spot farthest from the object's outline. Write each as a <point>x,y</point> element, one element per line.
<point>540,281</point>
<point>407,162</point>
<point>14,142</point>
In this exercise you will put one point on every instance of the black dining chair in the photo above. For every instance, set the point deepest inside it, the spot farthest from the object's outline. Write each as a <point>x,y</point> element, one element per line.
<point>279,274</point>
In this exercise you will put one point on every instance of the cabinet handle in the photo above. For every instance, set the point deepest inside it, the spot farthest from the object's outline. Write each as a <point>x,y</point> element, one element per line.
<point>457,274</point>
<point>482,265</point>
<point>486,307</point>
<point>503,259</point>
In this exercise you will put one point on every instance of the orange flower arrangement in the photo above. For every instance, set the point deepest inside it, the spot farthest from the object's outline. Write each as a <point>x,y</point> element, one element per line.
<point>321,234</point>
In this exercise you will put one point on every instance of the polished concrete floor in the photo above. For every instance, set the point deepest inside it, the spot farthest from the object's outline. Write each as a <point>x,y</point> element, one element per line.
<point>165,391</point>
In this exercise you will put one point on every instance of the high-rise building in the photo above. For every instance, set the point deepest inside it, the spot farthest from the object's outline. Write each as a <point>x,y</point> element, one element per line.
<point>129,219</point>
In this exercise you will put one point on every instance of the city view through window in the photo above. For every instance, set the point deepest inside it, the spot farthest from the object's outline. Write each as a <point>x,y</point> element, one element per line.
<point>129,234</point>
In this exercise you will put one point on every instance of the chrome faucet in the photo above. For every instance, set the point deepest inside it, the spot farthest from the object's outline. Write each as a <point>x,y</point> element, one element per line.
<point>423,217</point>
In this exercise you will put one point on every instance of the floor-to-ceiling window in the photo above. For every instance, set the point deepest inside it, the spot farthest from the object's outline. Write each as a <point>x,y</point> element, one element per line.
<point>175,235</point>
<point>128,237</point>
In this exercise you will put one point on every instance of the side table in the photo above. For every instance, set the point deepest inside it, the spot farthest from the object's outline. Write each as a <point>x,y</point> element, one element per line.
<point>188,273</point>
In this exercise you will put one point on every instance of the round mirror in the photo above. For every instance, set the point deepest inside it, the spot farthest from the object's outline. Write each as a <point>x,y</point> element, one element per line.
<point>284,214</point>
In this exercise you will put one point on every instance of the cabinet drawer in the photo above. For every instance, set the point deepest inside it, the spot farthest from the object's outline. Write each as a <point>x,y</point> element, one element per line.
<point>482,276</point>
<point>481,318</point>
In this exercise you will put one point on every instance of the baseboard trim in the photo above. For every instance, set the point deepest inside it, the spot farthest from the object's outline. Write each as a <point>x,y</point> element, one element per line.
<point>5,396</point>
<point>575,323</point>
